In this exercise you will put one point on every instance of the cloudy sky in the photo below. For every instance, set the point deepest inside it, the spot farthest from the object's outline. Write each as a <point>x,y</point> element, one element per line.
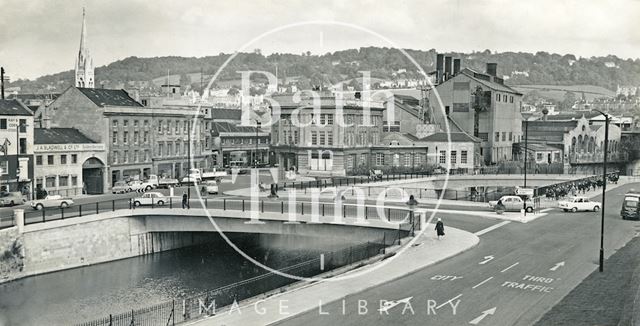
<point>39,37</point>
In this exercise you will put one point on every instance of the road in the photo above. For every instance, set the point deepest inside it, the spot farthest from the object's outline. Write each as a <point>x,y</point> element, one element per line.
<point>513,277</point>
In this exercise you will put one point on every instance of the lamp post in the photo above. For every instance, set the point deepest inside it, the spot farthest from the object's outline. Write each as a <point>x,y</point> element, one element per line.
<point>607,118</point>
<point>526,150</point>
<point>413,158</point>
<point>190,178</point>
<point>412,203</point>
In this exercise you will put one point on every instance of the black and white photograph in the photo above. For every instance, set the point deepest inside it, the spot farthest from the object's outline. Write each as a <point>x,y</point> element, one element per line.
<point>320,163</point>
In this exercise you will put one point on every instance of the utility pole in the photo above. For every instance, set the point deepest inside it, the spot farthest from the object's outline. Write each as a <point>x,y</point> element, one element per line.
<point>2,81</point>
<point>189,176</point>
<point>607,118</point>
<point>526,149</point>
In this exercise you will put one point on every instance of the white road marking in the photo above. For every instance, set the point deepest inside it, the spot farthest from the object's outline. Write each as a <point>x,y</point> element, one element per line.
<point>486,260</point>
<point>485,281</point>
<point>390,304</point>
<point>558,265</point>
<point>484,314</point>
<point>448,301</point>
<point>508,268</point>
<point>545,210</point>
<point>491,228</point>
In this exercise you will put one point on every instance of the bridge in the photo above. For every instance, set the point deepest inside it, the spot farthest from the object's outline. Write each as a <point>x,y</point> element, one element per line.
<point>55,239</point>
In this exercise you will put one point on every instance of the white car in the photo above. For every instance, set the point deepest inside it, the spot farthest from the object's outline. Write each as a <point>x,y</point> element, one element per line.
<point>120,187</point>
<point>575,204</point>
<point>151,198</point>
<point>211,187</point>
<point>189,180</point>
<point>51,201</point>
<point>512,203</point>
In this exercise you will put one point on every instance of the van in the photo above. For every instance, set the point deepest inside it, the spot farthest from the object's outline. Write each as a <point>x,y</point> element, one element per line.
<point>631,206</point>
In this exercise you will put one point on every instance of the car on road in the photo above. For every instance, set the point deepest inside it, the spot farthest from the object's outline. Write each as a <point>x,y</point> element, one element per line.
<point>120,187</point>
<point>11,198</point>
<point>631,206</point>
<point>190,180</point>
<point>579,203</point>
<point>51,201</point>
<point>211,187</point>
<point>151,198</point>
<point>512,204</point>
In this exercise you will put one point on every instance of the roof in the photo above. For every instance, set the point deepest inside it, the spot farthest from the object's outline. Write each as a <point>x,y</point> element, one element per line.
<point>109,97</point>
<point>491,84</point>
<point>34,96</point>
<point>226,114</point>
<point>14,107</point>
<point>455,137</point>
<point>220,127</point>
<point>325,101</point>
<point>59,136</point>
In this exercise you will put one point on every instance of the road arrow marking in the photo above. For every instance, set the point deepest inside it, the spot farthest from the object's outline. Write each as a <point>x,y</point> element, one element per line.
<point>508,268</point>
<point>558,265</point>
<point>486,260</point>
<point>484,314</point>
<point>390,304</point>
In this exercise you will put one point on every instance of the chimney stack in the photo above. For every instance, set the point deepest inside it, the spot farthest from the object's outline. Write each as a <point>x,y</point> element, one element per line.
<point>492,69</point>
<point>456,66</point>
<point>439,68</point>
<point>447,67</point>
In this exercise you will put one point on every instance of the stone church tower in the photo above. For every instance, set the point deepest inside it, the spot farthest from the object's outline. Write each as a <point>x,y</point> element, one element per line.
<point>84,62</point>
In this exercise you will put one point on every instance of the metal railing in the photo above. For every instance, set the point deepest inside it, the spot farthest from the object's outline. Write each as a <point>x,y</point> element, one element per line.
<point>341,209</point>
<point>212,301</point>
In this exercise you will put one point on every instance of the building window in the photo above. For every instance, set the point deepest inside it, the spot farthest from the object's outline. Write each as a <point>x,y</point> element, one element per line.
<point>135,123</point>
<point>169,149</point>
<point>363,159</point>
<point>416,159</point>
<point>160,126</point>
<point>135,156</point>
<point>145,137</point>
<point>63,159</point>
<point>538,156</point>
<point>160,149</point>
<point>63,181</point>
<point>39,160</point>
<point>395,127</point>
<point>177,127</point>
<point>510,136</point>
<point>407,159</point>
<point>329,138</point>
<point>454,157</point>
<point>146,155</point>
<point>125,137</point>
<point>504,98</point>
<point>3,123</point>
<point>23,146</point>
<point>463,157</point>
<point>349,162</point>
<point>497,136</point>
<point>511,99</point>
<point>136,137</point>
<point>74,180</point>
<point>49,159</point>
<point>146,123</point>
<point>322,138</point>
<point>50,182</point>
<point>314,138</point>
<point>125,156</point>
<point>74,158</point>
<point>125,123</point>
<point>497,97</point>
<point>443,157</point>
<point>379,159</point>
<point>115,124</point>
<point>114,139</point>
<point>504,136</point>
<point>115,157</point>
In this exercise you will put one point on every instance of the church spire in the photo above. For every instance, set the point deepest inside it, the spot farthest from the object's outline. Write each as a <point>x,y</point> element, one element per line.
<point>84,62</point>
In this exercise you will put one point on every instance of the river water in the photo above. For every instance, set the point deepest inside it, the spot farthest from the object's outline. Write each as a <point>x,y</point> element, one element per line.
<point>87,293</point>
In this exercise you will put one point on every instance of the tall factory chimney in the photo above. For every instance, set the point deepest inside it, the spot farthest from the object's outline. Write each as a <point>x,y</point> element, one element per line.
<point>447,67</point>
<point>439,68</point>
<point>456,66</point>
<point>492,69</point>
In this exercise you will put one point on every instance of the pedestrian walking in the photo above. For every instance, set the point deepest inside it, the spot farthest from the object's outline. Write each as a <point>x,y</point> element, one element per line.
<point>185,201</point>
<point>440,228</point>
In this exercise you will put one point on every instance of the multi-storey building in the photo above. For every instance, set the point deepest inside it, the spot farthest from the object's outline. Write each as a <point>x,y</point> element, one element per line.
<point>316,143</point>
<point>235,144</point>
<point>16,146</point>
<point>139,140</point>
<point>482,106</point>
<point>68,162</point>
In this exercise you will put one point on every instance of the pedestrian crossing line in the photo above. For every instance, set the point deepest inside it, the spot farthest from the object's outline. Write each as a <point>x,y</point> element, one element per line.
<point>508,268</point>
<point>491,228</point>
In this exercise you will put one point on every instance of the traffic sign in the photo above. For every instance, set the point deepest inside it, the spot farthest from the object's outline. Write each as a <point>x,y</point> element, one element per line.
<point>524,191</point>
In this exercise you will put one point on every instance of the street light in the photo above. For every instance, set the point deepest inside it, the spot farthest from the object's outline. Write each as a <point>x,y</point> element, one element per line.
<point>607,118</point>
<point>526,150</point>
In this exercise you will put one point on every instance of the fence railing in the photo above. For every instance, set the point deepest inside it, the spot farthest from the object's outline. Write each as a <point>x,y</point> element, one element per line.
<point>332,209</point>
<point>213,301</point>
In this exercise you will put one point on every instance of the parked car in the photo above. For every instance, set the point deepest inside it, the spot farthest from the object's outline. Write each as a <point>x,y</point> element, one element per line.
<point>11,198</point>
<point>579,203</point>
<point>120,187</point>
<point>189,180</point>
<point>511,203</point>
<point>135,185</point>
<point>151,198</point>
<point>211,187</point>
<point>51,201</point>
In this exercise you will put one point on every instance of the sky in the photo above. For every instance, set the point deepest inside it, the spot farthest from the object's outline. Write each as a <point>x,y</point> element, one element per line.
<point>40,37</point>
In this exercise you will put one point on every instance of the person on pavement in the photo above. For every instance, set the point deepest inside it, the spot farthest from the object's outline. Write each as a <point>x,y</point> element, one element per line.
<point>185,200</point>
<point>439,228</point>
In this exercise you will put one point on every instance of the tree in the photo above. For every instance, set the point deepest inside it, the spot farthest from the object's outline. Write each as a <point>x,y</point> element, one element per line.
<point>568,101</point>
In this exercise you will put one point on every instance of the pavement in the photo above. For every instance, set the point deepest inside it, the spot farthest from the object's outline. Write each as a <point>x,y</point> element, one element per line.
<point>426,251</point>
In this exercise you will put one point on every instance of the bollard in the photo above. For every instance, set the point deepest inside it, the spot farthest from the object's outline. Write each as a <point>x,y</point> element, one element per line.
<point>281,207</point>
<point>18,216</point>
<point>262,206</point>
<point>97,208</point>
<point>170,202</point>
<point>113,205</point>
<point>80,210</point>
<point>302,205</point>
<point>62,213</point>
<point>243,205</point>
<point>224,204</point>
